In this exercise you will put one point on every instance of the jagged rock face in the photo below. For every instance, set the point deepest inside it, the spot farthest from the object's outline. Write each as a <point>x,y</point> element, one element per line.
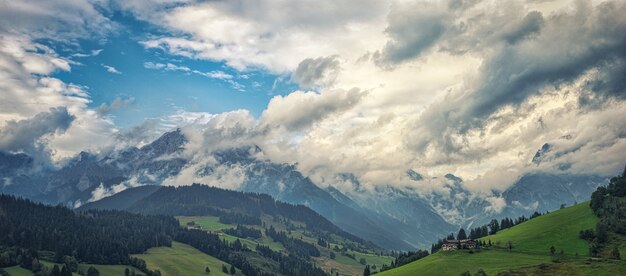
<point>541,153</point>
<point>545,192</point>
<point>77,180</point>
<point>15,175</point>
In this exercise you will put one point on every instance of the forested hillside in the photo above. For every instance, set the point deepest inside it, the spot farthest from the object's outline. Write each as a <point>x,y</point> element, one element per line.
<point>257,222</point>
<point>34,232</point>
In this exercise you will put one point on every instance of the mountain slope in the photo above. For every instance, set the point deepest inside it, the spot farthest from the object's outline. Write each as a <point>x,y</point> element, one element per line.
<point>559,229</point>
<point>202,200</point>
<point>121,200</point>
<point>392,217</point>
<point>285,183</point>
<point>531,242</point>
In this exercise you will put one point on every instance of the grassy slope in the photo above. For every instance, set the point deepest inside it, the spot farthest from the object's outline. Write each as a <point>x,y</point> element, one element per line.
<point>207,222</point>
<point>212,224</point>
<point>18,271</point>
<point>531,241</point>
<point>343,264</point>
<point>103,269</point>
<point>454,263</point>
<point>181,259</point>
<point>559,229</point>
<point>109,269</point>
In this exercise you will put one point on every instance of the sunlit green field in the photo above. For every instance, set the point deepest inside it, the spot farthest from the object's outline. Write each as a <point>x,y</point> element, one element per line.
<point>207,222</point>
<point>455,263</point>
<point>18,271</point>
<point>531,250</point>
<point>559,229</point>
<point>181,259</point>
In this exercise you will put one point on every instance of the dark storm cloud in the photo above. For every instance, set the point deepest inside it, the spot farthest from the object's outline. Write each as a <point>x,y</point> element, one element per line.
<point>535,53</point>
<point>569,47</point>
<point>312,72</point>
<point>531,24</point>
<point>24,135</point>
<point>412,31</point>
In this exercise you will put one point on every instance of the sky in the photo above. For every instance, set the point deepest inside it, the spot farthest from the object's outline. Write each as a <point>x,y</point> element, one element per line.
<point>368,88</point>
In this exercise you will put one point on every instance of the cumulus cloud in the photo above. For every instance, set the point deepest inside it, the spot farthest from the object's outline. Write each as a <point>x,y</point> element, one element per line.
<point>27,66</point>
<point>473,88</point>
<point>257,34</point>
<point>320,71</point>
<point>496,205</point>
<point>413,29</point>
<point>26,135</point>
<point>55,20</point>
<point>301,109</point>
<point>117,103</point>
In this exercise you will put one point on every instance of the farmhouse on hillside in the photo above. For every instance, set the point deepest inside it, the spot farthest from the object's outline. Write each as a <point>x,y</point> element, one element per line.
<point>449,245</point>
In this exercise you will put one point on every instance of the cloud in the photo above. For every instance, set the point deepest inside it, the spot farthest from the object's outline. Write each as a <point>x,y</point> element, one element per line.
<point>60,21</point>
<point>118,103</point>
<point>139,135</point>
<point>28,66</point>
<point>496,205</point>
<point>111,69</point>
<point>301,109</point>
<point>531,24</point>
<point>93,53</point>
<point>101,192</point>
<point>26,135</point>
<point>215,74</point>
<point>412,29</point>
<point>252,34</point>
<point>223,176</point>
<point>473,88</point>
<point>320,71</point>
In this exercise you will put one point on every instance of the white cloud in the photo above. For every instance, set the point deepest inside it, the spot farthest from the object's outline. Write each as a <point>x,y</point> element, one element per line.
<point>27,87</point>
<point>445,84</point>
<point>216,74</point>
<point>111,69</point>
<point>93,53</point>
<point>101,192</point>
<point>468,87</point>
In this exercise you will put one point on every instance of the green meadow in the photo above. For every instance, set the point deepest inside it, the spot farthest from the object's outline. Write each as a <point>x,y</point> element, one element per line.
<point>181,259</point>
<point>530,255</point>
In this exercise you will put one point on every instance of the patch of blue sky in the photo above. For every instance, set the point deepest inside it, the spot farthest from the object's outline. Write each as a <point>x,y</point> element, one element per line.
<point>159,83</point>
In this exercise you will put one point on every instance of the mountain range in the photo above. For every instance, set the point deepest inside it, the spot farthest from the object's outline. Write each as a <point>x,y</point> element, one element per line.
<point>391,217</point>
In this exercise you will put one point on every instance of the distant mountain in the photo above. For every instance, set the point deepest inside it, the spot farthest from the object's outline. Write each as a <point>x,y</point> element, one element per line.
<point>16,172</point>
<point>544,192</point>
<point>286,183</point>
<point>392,217</point>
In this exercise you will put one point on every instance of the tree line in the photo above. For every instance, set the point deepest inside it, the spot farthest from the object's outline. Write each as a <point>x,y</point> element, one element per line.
<point>236,207</point>
<point>609,204</point>
<point>110,237</point>
<point>295,246</point>
<point>484,230</point>
<point>244,232</point>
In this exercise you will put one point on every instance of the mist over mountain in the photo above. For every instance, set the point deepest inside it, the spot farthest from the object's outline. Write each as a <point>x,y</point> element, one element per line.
<point>392,217</point>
